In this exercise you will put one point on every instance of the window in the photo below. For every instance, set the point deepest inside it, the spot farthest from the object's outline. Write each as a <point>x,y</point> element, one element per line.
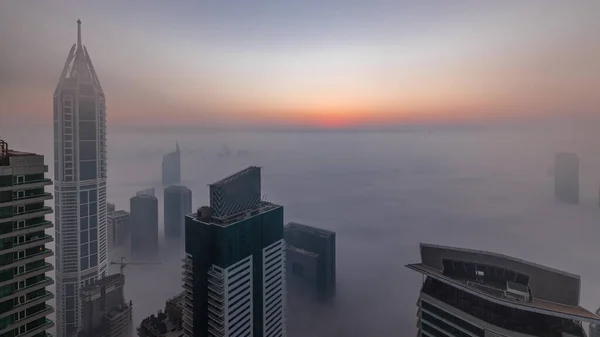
<point>19,255</point>
<point>20,179</point>
<point>19,239</point>
<point>20,285</point>
<point>19,315</point>
<point>19,224</point>
<point>18,194</point>
<point>20,300</point>
<point>20,270</point>
<point>19,209</point>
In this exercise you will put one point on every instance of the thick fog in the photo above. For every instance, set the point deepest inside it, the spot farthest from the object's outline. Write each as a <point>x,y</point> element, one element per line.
<point>382,193</point>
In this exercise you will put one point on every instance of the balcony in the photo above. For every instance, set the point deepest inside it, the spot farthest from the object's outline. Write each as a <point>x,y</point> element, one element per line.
<point>35,301</point>
<point>28,199</point>
<point>28,184</point>
<point>45,326</point>
<point>36,286</point>
<point>42,240</point>
<point>28,229</point>
<point>28,319</point>
<point>29,214</point>
<point>30,272</point>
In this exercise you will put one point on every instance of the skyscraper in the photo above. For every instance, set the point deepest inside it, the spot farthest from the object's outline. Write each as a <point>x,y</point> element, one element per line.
<point>177,204</point>
<point>234,269</point>
<point>310,261</point>
<point>118,229</point>
<point>566,177</point>
<point>80,187</point>
<point>476,293</point>
<point>171,167</point>
<point>23,280</point>
<point>144,225</point>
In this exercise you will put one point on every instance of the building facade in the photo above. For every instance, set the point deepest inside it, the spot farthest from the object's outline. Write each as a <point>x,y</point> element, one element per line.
<point>234,269</point>
<point>476,293</point>
<point>171,168</point>
<point>118,229</point>
<point>144,226</point>
<point>105,311</point>
<point>310,261</point>
<point>566,177</point>
<point>23,279</point>
<point>80,184</point>
<point>177,204</point>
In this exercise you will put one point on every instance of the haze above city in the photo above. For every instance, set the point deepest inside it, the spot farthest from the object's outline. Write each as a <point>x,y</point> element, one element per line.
<point>308,64</point>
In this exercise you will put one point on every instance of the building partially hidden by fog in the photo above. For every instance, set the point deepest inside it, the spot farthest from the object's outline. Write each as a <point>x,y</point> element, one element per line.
<point>23,279</point>
<point>566,177</point>
<point>234,269</point>
<point>105,311</point>
<point>165,324</point>
<point>477,293</point>
<point>310,261</point>
<point>144,226</point>
<point>171,167</point>
<point>177,204</point>
<point>80,187</point>
<point>118,229</point>
<point>110,207</point>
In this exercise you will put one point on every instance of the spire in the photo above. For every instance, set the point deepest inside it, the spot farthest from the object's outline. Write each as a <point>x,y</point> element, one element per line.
<point>177,147</point>
<point>79,47</point>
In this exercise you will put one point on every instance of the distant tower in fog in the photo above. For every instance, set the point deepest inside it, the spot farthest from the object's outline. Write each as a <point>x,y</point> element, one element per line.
<point>171,167</point>
<point>144,226</point>
<point>177,204</point>
<point>566,177</point>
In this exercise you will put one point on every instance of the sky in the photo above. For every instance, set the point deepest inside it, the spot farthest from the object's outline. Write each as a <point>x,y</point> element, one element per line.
<point>332,64</point>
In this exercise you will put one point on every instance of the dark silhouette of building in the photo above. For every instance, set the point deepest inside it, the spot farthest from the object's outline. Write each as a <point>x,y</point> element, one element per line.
<point>110,208</point>
<point>144,226</point>
<point>177,204</point>
<point>24,280</point>
<point>167,323</point>
<point>310,261</point>
<point>234,280</point>
<point>476,293</point>
<point>118,229</point>
<point>566,177</point>
<point>105,312</point>
<point>171,167</point>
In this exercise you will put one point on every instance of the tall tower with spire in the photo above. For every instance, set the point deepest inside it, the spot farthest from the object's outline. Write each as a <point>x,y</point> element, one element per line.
<point>80,184</point>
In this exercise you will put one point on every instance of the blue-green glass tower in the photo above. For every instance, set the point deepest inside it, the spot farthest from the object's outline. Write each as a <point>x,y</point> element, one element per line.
<point>234,269</point>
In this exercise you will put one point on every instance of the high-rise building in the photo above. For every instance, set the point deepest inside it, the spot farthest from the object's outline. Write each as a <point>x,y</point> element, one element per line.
<point>566,177</point>
<point>171,167</point>
<point>234,269</point>
<point>23,279</point>
<point>144,226</point>
<point>118,229</point>
<point>105,311</point>
<point>595,327</point>
<point>80,184</point>
<point>177,204</point>
<point>477,293</point>
<point>110,207</point>
<point>310,261</point>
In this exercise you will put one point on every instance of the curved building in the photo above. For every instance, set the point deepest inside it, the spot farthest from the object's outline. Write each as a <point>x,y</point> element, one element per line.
<point>80,184</point>
<point>477,293</point>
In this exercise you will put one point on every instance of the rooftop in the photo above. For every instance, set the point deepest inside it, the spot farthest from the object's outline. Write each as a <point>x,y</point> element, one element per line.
<point>117,214</point>
<point>309,229</point>
<point>301,251</point>
<point>115,279</point>
<point>235,176</point>
<point>500,279</point>
<point>261,207</point>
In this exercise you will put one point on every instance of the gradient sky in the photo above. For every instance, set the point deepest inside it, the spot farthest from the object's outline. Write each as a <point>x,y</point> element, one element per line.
<point>307,63</point>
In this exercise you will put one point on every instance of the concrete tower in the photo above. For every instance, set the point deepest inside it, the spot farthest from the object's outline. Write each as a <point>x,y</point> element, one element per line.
<point>171,167</point>
<point>80,184</point>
